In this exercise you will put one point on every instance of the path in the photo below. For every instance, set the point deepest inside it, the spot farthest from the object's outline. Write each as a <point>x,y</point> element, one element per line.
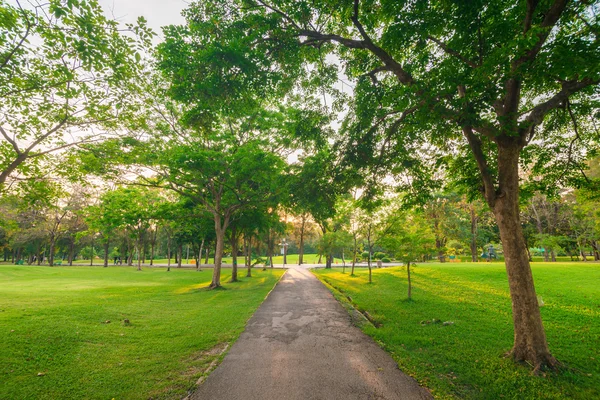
<point>300,344</point>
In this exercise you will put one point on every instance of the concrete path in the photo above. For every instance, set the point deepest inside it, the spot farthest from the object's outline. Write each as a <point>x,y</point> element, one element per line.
<point>300,344</point>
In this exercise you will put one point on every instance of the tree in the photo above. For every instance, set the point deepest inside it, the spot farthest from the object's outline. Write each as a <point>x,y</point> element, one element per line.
<point>497,83</point>
<point>65,71</point>
<point>409,238</point>
<point>222,176</point>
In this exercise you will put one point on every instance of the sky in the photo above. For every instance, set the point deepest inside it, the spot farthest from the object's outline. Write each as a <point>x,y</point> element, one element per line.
<point>158,12</point>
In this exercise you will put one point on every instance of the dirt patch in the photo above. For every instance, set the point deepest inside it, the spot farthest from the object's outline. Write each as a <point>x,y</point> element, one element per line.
<point>203,362</point>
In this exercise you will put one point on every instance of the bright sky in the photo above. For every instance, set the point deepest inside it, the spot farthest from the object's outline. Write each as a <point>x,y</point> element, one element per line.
<point>158,12</point>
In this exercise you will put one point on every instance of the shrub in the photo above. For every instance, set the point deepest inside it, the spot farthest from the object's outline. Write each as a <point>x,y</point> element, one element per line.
<point>379,255</point>
<point>386,260</point>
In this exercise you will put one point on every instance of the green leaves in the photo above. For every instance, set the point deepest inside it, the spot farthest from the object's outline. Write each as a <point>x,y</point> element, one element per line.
<point>63,70</point>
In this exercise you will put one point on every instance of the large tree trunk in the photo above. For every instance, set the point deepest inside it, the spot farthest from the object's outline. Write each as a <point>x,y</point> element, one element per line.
<point>529,337</point>
<point>234,251</point>
<point>328,259</point>
<point>106,245</point>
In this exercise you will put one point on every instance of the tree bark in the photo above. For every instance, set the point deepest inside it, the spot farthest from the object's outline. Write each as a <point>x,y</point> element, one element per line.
<point>220,238</point>
<point>199,255</point>
<point>328,259</point>
<point>409,282</point>
<point>529,337</point>
<point>234,250</point>
<point>179,255</point>
<point>354,255</point>
<point>51,252</point>
<point>106,245</point>
<point>301,247</point>
<point>474,255</point>
<point>247,252</point>
<point>71,252</point>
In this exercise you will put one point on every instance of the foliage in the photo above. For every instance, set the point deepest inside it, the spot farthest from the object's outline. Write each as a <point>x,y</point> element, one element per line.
<point>66,71</point>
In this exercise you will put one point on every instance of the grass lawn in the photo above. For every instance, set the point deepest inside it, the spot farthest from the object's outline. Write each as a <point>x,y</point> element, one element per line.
<point>464,360</point>
<point>54,321</point>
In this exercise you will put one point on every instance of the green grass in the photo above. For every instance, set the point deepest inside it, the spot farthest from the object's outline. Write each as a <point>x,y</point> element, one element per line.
<point>465,360</point>
<point>53,321</point>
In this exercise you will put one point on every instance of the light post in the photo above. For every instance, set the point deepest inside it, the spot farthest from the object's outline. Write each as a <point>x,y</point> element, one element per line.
<point>284,245</point>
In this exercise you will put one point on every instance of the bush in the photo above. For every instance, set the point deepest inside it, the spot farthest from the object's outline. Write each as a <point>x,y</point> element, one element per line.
<point>386,260</point>
<point>364,255</point>
<point>379,255</point>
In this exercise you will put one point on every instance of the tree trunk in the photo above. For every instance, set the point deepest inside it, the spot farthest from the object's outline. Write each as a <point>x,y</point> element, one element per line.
<point>552,255</point>
<point>92,256</point>
<point>328,259</point>
<point>529,337</point>
<point>247,254</point>
<point>106,245</point>
<point>409,282</point>
<point>301,247</point>
<point>369,264</point>
<point>354,256</point>
<point>234,251</point>
<point>51,252</point>
<point>199,255</point>
<point>179,255</point>
<point>139,258</point>
<point>474,255</point>
<point>168,250</point>
<point>152,253</point>
<point>220,238</point>
<point>206,258</point>
<point>71,252</point>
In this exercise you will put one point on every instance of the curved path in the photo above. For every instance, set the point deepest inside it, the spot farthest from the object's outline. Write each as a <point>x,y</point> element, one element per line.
<point>300,344</point>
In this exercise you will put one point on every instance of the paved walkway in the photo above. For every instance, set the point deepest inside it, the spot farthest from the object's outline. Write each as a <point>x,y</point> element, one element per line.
<point>300,344</point>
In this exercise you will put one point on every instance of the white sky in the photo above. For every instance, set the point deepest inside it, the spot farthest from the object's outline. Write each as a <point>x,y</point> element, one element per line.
<point>158,12</point>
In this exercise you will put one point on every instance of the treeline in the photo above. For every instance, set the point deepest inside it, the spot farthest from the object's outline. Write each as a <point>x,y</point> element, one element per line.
<point>49,225</point>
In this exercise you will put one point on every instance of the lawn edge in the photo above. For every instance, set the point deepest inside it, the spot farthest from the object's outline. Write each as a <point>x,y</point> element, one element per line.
<point>347,304</point>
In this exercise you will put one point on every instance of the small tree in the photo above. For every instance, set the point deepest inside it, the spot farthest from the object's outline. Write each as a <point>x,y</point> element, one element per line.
<point>409,238</point>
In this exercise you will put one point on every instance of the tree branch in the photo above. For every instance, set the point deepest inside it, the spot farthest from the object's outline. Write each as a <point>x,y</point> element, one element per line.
<point>454,53</point>
<point>403,76</point>
<point>10,140</point>
<point>551,18</point>
<point>537,114</point>
<point>23,38</point>
<point>489,190</point>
